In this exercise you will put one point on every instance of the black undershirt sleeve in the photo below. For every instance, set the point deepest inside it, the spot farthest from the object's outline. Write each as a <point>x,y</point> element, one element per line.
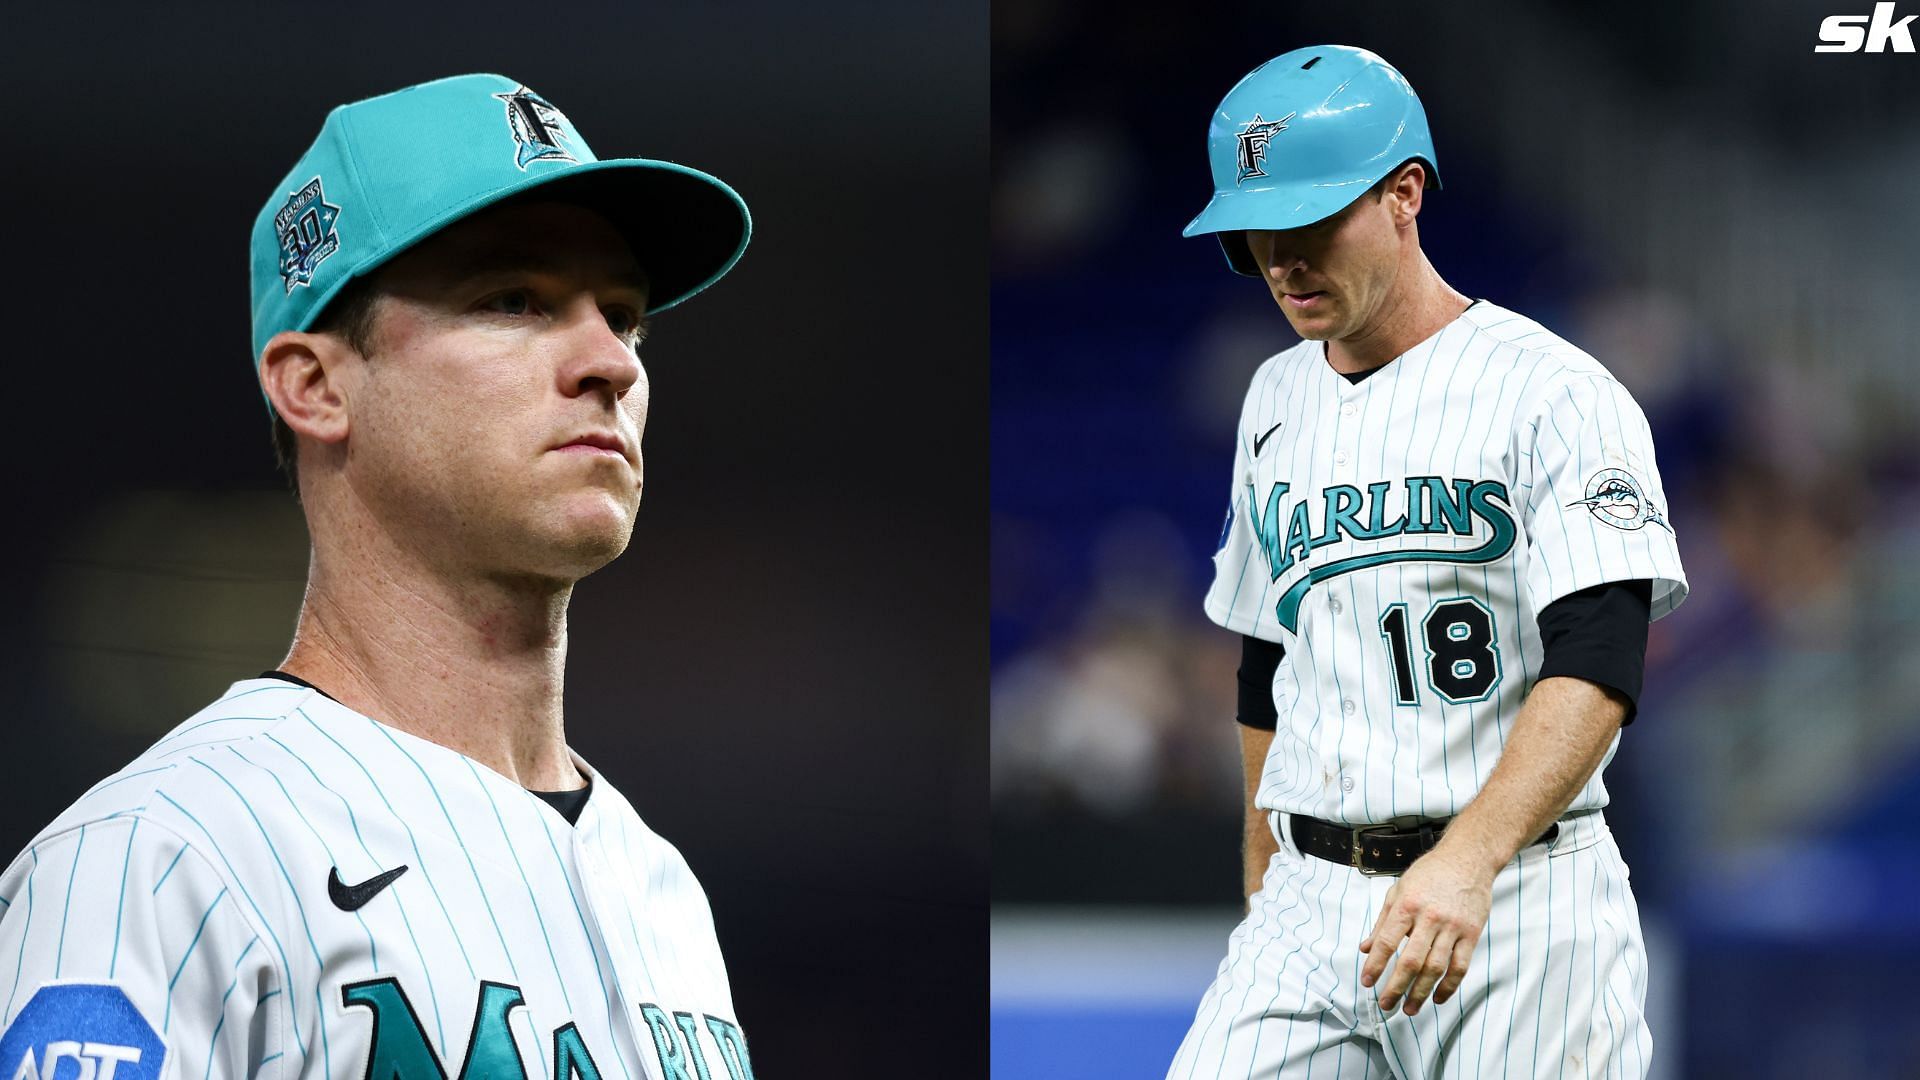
<point>1598,634</point>
<point>1258,661</point>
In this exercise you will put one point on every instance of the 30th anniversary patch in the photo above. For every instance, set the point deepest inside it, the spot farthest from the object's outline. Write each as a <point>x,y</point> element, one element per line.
<point>305,226</point>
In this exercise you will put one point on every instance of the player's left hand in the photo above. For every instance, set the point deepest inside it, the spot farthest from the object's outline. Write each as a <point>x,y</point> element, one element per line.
<point>1438,907</point>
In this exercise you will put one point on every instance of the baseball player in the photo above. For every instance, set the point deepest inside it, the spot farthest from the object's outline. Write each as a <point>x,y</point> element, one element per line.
<point>1446,539</point>
<point>382,860</point>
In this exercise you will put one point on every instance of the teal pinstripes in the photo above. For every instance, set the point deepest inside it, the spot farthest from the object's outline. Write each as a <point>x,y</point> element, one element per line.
<point>1292,375</point>
<point>633,930</point>
<point>326,1046</point>
<point>1419,398</point>
<point>1306,980</point>
<point>120,908</point>
<point>1307,744</point>
<point>587,935</point>
<point>1394,1052</point>
<point>210,721</point>
<point>419,857</point>
<point>1305,444</point>
<point>1578,452</point>
<point>1446,712</point>
<point>1268,913</point>
<point>1613,921</point>
<point>1381,438</point>
<point>1611,401</point>
<point>1546,965</point>
<point>1366,757</point>
<point>155,891</point>
<point>66,905</point>
<point>1340,387</point>
<point>373,947</point>
<point>1298,419</point>
<point>279,687</point>
<point>277,684</point>
<point>112,780</point>
<point>234,875</point>
<point>1250,466</point>
<point>167,1021</point>
<point>458,839</point>
<point>1573,962</point>
<point>433,995</point>
<point>1486,592</point>
<point>1521,602</point>
<point>1243,465</point>
<point>214,1040</point>
<point>532,901</point>
<point>26,933</point>
<point>1522,592</point>
<point>1519,949</point>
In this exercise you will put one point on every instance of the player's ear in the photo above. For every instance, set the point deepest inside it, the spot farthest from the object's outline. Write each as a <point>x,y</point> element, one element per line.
<point>301,375</point>
<point>1406,186</point>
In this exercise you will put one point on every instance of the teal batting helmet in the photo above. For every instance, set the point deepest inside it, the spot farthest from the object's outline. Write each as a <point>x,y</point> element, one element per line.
<point>1303,136</point>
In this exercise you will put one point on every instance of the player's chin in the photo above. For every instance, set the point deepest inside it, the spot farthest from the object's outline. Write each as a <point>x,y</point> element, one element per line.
<point>1313,326</point>
<point>589,529</point>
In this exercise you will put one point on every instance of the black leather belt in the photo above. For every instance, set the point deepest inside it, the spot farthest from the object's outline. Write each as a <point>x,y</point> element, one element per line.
<point>1374,849</point>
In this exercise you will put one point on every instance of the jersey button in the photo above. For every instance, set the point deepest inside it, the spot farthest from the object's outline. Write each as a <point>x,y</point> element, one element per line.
<point>1339,457</point>
<point>1346,783</point>
<point>1334,605</point>
<point>1347,706</point>
<point>1349,409</point>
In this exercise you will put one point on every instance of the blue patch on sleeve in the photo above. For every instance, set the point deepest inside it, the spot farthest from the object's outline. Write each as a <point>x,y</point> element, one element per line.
<point>73,1030</point>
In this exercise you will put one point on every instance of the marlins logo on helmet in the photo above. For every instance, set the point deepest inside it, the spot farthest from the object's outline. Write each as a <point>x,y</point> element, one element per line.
<point>1253,144</point>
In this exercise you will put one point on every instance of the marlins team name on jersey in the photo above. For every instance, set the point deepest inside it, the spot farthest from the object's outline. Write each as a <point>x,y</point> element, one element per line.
<point>1400,536</point>
<point>284,888</point>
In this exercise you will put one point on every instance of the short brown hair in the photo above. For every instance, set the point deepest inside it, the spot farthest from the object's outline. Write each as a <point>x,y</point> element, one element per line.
<point>350,315</point>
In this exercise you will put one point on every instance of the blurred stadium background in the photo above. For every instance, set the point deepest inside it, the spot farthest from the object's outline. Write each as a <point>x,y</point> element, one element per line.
<point>784,673</point>
<point>1687,191</point>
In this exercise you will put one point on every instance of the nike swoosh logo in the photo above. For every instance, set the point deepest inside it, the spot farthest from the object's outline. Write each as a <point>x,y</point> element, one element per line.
<point>353,897</point>
<point>1262,440</point>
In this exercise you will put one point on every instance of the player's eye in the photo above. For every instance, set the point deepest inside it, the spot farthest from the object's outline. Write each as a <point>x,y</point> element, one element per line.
<point>511,302</point>
<point>626,322</point>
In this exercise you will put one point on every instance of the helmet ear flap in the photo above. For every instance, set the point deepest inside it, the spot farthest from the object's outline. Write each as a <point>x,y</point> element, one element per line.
<point>1239,255</point>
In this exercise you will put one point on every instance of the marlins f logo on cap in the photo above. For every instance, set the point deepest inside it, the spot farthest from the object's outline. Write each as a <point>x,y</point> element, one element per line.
<point>390,171</point>
<point>538,127</point>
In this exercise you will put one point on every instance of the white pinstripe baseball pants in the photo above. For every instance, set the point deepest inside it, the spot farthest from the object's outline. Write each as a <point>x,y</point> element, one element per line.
<point>1556,988</point>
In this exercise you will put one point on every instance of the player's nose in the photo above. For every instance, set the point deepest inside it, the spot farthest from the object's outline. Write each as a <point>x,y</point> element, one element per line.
<point>1283,262</point>
<point>596,356</point>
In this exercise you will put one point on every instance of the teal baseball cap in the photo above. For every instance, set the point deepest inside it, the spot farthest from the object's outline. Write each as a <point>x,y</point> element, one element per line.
<point>390,171</point>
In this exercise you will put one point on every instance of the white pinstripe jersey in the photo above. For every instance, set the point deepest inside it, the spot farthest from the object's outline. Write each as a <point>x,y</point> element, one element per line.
<point>195,882</point>
<point>1400,537</point>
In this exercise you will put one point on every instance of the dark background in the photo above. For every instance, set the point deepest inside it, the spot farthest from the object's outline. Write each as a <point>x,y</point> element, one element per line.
<point>783,673</point>
<point>1721,216</point>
